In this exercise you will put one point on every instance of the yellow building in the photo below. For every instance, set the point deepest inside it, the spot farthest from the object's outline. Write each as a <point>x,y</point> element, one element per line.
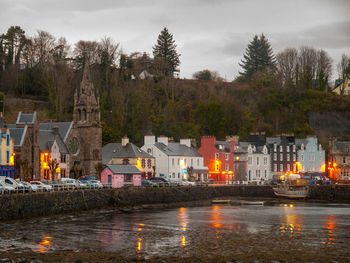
<point>7,154</point>
<point>342,88</point>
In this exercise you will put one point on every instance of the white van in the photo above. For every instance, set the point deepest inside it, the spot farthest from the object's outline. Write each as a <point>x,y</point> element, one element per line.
<point>8,181</point>
<point>70,183</point>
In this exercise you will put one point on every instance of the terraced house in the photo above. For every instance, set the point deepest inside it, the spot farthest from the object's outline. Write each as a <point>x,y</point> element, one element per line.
<point>175,160</point>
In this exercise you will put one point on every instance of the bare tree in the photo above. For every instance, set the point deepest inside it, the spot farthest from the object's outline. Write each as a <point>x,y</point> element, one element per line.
<point>343,68</point>
<point>287,62</point>
<point>85,49</point>
<point>44,44</point>
<point>324,70</point>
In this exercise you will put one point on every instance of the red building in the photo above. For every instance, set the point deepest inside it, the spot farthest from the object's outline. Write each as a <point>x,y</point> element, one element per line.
<point>218,157</point>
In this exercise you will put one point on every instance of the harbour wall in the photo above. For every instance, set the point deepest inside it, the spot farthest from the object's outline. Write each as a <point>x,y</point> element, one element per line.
<point>37,204</point>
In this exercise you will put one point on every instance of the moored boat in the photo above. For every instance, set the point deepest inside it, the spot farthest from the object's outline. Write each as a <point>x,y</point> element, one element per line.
<point>291,191</point>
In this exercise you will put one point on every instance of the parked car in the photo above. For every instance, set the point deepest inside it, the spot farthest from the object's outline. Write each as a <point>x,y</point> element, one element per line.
<point>12,183</point>
<point>70,183</point>
<point>96,184</point>
<point>26,188</point>
<point>33,188</point>
<point>187,183</point>
<point>84,184</point>
<point>5,189</point>
<point>148,183</point>
<point>160,181</point>
<point>41,186</point>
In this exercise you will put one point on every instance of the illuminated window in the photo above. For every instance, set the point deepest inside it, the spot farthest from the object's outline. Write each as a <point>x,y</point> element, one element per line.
<point>149,163</point>
<point>294,167</point>
<point>275,156</point>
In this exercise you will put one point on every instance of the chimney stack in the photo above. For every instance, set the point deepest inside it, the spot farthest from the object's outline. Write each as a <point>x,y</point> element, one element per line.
<point>125,140</point>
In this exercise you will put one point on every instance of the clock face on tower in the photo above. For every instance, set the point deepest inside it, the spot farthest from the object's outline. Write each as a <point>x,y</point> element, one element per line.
<point>73,145</point>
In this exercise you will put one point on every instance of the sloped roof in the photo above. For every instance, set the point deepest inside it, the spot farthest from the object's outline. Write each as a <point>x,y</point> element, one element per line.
<point>177,149</point>
<point>299,142</point>
<point>63,128</point>
<point>116,150</point>
<point>226,146</point>
<point>273,140</point>
<point>341,145</point>
<point>46,139</point>
<point>123,169</point>
<point>18,135</point>
<point>239,149</point>
<point>26,118</point>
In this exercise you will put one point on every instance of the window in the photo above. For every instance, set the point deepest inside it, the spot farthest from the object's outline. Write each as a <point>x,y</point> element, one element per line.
<point>275,147</point>
<point>178,175</point>
<point>281,148</point>
<point>7,157</point>
<point>293,148</point>
<point>302,157</point>
<point>8,140</point>
<point>149,150</point>
<point>344,160</point>
<point>185,162</point>
<point>63,158</point>
<point>275,167</point>
<point>226,167</point>
<point>192,162</point>
<point>275,156</point>
<point>216,156</point>
<point>265,174</point>
<point>149,163</point>
<point>143,163</point>
<point>257,160</point>
<point>198,162</point>
<point>178,161</point>
<point>294,158</point>
<point>173,162</point>
<point>265,160</point>
<point>320,157</point>
<point>288,167</point>
<point>288,158</point>
<point>281,157</point>
<point>125,161</point>
<point>287,149</point>
<point>294,167</point>
<point>281,167</point>
<point>63,172</point>
<point>226,156</point>
<point>249,160</point>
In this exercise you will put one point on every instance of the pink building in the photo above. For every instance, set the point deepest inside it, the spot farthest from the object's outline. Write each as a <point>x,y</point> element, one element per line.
<point>119,175</point>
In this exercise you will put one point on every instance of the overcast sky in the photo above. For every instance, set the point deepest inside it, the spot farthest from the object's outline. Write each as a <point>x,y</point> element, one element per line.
<point>210,34</point>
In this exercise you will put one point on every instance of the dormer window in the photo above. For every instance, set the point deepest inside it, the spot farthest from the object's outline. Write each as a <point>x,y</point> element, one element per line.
<point>302,147</point>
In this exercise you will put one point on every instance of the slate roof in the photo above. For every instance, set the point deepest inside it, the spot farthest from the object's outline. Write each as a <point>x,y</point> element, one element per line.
<point>116,150</point>
<point>63,128</point>
<point>18,135</point>
<point>341,145</point>
<point>177,149</point>
<point>225,144</point>
<point>273,140</point>
<point>46,139</point>
<point>26,118</point>
<point>123,169</point>
<point>299,142</point>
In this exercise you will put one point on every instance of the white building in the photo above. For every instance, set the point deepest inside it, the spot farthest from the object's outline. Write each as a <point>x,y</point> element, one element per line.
<point>311,156</point>
<point>175,161</point>
<point>258,162</point>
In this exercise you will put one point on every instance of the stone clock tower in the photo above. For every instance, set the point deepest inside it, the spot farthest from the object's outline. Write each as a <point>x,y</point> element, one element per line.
<point>86,143</point>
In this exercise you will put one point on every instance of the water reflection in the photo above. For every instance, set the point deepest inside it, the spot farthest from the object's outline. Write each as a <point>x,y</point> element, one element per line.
<point>216,217</point>
<point>45,244</point>
<point>291,222</point>
<point>331,226</point>
<point>183,221</point>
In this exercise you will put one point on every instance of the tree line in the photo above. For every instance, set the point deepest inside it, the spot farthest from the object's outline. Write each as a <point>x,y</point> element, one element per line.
<point>140,93</point>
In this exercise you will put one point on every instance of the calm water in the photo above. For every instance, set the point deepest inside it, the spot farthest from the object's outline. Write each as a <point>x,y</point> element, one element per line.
<point>174,230</point>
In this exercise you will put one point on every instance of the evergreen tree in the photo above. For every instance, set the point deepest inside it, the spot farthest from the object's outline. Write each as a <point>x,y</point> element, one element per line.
<point>258,56</point>
<point>165,55</point>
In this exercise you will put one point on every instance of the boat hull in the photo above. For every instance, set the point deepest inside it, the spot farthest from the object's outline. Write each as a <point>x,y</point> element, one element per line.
<point>289,192</point>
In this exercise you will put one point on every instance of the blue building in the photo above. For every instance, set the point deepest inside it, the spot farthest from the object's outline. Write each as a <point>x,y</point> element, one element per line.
<point>311,156</point>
